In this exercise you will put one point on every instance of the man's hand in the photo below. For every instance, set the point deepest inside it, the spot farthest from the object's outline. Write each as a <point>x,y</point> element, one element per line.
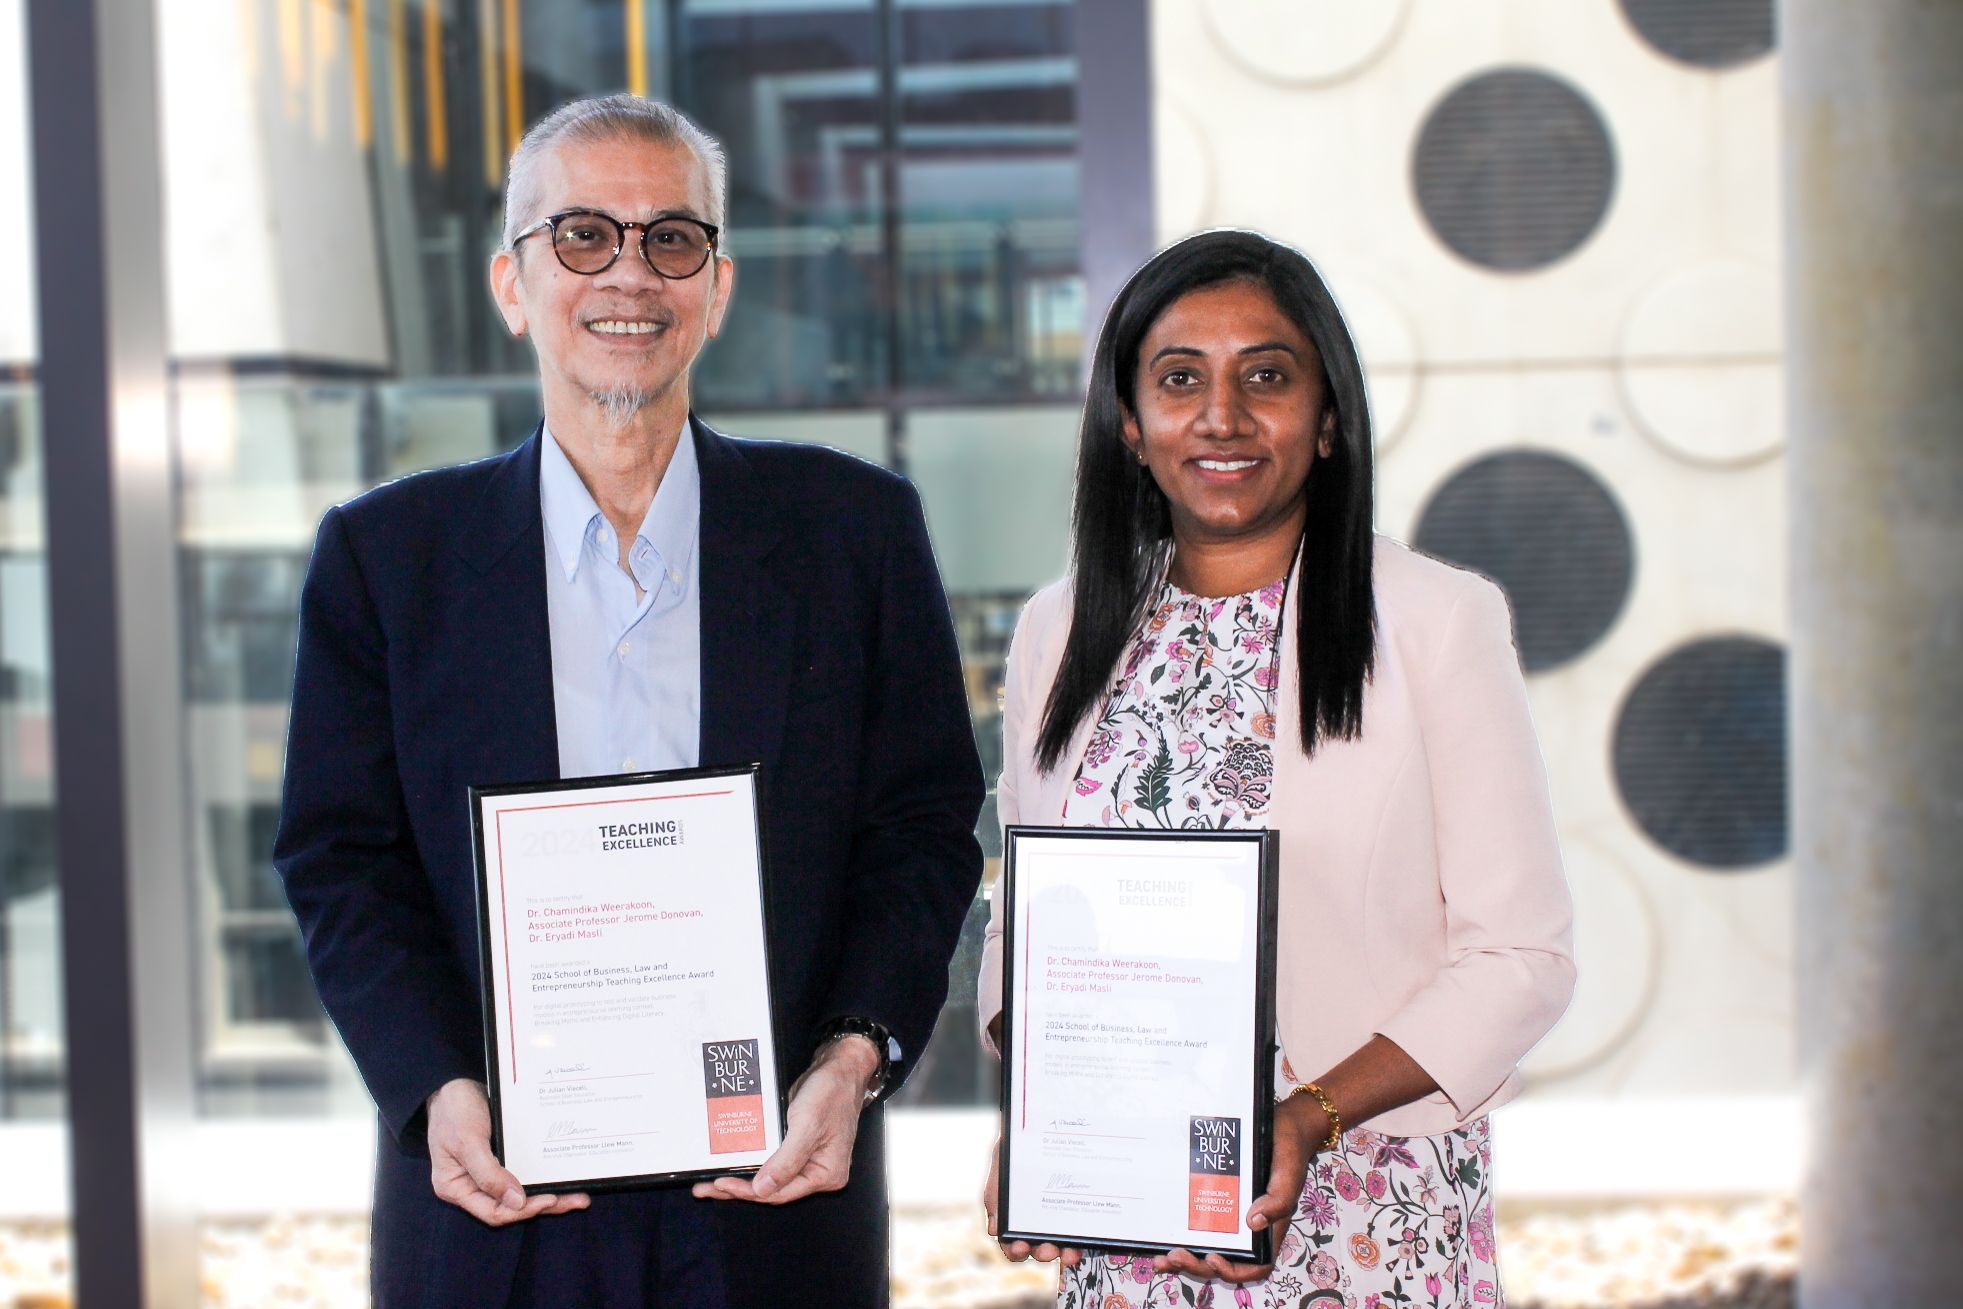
<point>1300,1129</point>
<point>462,1169</point>
<point>1017,1251</point>
<point>822,1124</point>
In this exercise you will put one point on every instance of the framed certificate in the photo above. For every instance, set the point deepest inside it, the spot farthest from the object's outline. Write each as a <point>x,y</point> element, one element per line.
<point>1137,1038</point>
<point>627,1016</point>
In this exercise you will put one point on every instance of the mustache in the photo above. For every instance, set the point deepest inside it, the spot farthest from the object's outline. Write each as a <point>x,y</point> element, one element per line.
<point>640,311</point>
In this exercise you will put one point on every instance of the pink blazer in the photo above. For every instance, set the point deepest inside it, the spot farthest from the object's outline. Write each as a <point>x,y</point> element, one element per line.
<point>1421,887</point>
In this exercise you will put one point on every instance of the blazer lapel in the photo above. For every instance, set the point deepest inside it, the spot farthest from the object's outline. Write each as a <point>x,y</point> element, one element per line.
<point>747,621</point>
<point>501,632</point>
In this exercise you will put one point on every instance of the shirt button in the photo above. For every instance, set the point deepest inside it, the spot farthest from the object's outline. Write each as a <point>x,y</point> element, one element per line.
<point>627,764</point>
<point>622,649</point>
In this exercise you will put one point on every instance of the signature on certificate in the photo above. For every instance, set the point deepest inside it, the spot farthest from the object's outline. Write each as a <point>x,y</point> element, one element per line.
<point>566,1127</point>
<point>1066,1182</point>
<point>564,1069</point>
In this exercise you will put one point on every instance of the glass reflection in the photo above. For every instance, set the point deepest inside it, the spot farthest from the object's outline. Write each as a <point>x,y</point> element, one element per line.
<point>903,191</point>
<point>902,213</point>
<point>793,93</point>
<point>991,292</point>
<point>31,1085</point>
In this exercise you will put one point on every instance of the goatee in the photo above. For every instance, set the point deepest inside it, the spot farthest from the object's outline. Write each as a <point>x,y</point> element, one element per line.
<point>619,404</point>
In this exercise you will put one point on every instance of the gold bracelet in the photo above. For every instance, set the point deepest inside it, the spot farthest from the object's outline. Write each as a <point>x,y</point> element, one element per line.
<point>1335,1119</point>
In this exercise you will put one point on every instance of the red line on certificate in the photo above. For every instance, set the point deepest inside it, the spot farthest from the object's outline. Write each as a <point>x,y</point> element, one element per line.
<point>1091,1136</point>
<point>504,911</point>
<point>606,1077</point>
<point>1094,1195</point>
<point>1026,910</point>
<point>632,799</point>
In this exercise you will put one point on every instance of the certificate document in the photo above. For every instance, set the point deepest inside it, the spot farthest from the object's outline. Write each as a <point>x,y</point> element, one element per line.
<point>1137,1037</point>
<point>627,1014</point>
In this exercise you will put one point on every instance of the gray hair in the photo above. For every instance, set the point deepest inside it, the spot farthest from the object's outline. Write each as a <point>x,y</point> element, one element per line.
<point>620,117</point>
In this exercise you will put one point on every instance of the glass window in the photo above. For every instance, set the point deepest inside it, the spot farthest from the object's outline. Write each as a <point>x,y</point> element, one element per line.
<point>902,196</point>
<point>864,433</point>
<point>995,484</point>
<point>941,182</point>
<point>793,93</point>
<point>902,188</point>
<point>991,293</point>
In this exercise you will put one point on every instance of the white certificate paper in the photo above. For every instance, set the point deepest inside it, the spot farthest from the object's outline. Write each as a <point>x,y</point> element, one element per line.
<point>1138,1026</point>
<point>627,1006</point>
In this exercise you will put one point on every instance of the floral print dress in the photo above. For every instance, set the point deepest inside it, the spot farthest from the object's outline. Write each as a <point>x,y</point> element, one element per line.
<point>1186,739</point>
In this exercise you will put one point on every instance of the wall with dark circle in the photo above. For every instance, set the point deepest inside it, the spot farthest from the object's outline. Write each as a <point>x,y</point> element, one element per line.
<point>1554,230</point>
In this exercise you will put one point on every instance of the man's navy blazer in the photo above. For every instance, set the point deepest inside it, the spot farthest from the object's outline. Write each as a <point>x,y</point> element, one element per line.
<point>425,667</point>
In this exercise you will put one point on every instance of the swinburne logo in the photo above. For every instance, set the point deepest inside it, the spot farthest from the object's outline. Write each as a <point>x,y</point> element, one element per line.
<point>732,1076</point>
<point>1213,1182</point>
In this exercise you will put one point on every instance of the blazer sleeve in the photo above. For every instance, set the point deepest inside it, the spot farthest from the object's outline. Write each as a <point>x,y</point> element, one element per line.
<point>1020,710</point>
<point>380,955</point>
<point>915,861</point>
<point>1509,958</point>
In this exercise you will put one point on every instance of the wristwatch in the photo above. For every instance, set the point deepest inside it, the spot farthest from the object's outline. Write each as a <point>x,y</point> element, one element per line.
<point>883,1042</point>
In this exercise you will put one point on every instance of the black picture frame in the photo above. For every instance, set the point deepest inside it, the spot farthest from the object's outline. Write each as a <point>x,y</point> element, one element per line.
<point>776,1102</point>
<point>1262,1016</point>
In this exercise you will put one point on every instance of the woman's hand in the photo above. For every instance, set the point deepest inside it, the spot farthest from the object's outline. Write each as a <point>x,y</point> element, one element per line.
<point>1301,1127</point>
<point>1017,1251</point>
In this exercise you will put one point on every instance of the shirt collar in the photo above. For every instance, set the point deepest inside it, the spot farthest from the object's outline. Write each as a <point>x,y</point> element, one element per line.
<point>670,524</point>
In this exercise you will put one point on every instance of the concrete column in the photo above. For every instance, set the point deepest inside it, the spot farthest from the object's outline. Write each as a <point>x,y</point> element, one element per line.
<point>1873,137</point>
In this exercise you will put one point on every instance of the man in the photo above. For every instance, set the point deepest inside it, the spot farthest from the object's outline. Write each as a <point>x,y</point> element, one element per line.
<point>628,590</point>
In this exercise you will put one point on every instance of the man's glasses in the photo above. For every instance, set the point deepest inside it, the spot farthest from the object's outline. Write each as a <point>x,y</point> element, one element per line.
<point>587,242</point>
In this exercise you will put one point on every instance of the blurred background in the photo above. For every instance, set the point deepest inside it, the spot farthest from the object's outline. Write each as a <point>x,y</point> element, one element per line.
<point>1554,226</point>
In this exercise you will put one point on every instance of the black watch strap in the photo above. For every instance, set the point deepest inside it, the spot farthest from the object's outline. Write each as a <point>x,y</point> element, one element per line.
<point>883,1043</point>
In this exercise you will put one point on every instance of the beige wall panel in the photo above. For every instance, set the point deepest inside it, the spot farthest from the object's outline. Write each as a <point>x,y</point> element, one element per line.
<point>1327,166</point>
<point>1650,355</point>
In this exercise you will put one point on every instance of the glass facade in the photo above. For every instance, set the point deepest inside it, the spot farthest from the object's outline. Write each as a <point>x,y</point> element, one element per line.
<point>903,199</point>
<point>30,972</point>
<point>30,976</point>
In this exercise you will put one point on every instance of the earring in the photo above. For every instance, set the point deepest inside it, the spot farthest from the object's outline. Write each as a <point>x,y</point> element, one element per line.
<point>1140,452</point>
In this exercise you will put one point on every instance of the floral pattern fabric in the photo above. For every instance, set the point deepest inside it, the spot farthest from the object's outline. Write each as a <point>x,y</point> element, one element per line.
<point>1186,739</point>
<point>1385,1222</point>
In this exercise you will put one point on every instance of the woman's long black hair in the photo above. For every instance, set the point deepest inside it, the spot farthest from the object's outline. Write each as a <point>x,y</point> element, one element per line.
<point>1121,526</point>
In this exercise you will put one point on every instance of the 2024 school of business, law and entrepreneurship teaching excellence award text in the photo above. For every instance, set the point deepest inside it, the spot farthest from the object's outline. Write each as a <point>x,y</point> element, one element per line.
<point>627,985</point>
<point>1137,1037</point>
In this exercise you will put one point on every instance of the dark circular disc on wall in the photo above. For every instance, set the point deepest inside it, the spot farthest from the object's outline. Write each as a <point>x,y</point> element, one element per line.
<point>1513,169</point>
<point>1704,33</point>
<point>1700,752</point>
<point>1550,534</point>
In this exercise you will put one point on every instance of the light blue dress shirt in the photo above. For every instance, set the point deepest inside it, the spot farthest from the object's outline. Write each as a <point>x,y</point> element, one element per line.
<point>626,672</point>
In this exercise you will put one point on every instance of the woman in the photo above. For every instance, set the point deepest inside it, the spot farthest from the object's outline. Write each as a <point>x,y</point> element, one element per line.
<point>1230,611</point>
